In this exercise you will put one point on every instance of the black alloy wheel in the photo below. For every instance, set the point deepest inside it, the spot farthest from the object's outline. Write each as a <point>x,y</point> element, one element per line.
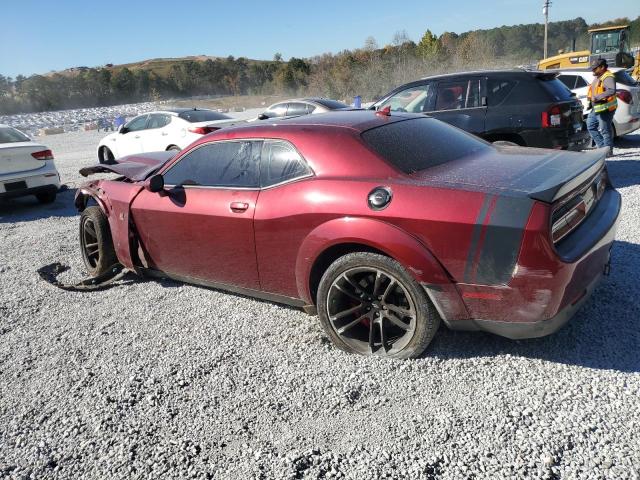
<point>372,306</point>
<point>96,245</point>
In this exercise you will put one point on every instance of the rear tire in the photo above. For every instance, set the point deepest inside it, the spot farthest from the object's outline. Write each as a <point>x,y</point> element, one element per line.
<point>369,304</point>
<point>46,197</point>
<point>96,245</point>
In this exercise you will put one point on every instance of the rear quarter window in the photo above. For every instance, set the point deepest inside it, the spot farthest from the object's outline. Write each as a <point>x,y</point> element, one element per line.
<point>195,116</point>
<point>558,90</point>
<point>11,135</point>
<point>421,143</point>
<point>623,77</point>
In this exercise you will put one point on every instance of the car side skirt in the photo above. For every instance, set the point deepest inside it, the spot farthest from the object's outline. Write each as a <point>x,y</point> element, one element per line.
<point>271,297</point>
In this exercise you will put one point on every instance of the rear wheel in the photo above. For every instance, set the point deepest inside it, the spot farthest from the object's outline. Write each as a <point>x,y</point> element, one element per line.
<point>46,197</point>
<point>369,304</point>
<point>96,244</point>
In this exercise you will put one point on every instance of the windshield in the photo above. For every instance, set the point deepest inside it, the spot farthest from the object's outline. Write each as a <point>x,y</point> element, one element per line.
<point>623,77</point>
<point>11,135</point>
<point>421,143</point>
<point>330,104</point>
<point>603,42</point>
<point>195,116</point>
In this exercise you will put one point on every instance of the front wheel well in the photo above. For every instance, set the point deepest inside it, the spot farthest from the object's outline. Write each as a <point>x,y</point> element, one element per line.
<point>330,255</point>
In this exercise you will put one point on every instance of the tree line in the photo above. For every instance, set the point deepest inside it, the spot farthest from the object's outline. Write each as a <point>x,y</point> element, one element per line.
<point>368,71</point>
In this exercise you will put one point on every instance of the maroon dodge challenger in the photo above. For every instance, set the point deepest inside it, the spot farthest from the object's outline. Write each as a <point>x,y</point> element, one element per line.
<point>385,224</point>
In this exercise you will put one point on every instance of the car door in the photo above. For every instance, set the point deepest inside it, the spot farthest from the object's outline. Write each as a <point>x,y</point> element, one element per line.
<point>461,102</point>
<point>129,139</point>
<point>155,137</point>
<point>201,225</point>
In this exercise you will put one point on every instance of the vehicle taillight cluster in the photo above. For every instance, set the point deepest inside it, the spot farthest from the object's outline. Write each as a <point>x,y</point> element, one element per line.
<point>625,96</point>
<point>552,117</point>
<point>203,130</point>
<point>568,215</point>
<point>43,155</point>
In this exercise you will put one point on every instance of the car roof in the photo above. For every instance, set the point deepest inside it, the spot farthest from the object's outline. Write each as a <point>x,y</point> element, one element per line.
<point>511,71</point>
<point>355,120</point>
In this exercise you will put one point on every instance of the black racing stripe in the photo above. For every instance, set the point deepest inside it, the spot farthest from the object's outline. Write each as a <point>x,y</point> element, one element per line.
<point>502,240</point>
<point>475,237</point>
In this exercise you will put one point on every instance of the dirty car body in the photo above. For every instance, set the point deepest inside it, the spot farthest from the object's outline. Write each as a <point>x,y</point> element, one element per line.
<point>508,240</point>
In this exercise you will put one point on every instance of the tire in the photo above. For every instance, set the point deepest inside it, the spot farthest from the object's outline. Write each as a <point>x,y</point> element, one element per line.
<point>46,197</point>
<point>173,148</point>
<point>396,320</point>
<point>505,143</point>
<point>96,245</point>
<point>106,156</point>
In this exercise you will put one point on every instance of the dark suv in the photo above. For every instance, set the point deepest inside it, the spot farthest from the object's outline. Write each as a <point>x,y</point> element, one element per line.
<point>530,108</point>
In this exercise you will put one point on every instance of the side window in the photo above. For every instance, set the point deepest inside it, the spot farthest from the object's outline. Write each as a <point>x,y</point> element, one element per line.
<point>581,82</point>
<point>297,109</point>
<point>413,99</point>
<point>158,120</point>
<point>280,162</point>
<point>279,110</point>
<point>568,80</point>
<point>498,90</point>
<point>221,164</point>
<point>138,123</point>
<point>451,95</point>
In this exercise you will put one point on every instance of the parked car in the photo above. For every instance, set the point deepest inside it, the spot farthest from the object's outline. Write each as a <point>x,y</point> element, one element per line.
<point>170,129</point>
<point>301,106</point>
<point>627,116</point>
<point>26,167</point>
<point>385,223</point>
<point>529,108</point>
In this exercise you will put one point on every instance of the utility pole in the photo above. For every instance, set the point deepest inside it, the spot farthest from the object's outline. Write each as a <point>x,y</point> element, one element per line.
<point>545,12</point>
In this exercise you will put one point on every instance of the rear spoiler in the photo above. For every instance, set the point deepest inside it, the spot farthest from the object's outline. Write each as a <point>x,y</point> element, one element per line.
<point>546,75</point>
<point>566,180</point>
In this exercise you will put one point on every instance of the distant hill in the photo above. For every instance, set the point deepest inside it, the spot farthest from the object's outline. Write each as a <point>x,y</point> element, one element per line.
<point>368,71</point>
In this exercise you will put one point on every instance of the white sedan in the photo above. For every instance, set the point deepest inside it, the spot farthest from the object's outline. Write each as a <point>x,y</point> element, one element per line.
<point>26,167</point>
<point>627,116</point>
<point>171,129</point>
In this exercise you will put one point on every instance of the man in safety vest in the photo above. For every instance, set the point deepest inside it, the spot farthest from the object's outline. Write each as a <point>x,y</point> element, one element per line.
<point>602,97</point>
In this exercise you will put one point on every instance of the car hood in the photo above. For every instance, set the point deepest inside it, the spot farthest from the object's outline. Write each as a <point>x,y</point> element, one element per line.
<point>135,167</point>
<point>541,174</point>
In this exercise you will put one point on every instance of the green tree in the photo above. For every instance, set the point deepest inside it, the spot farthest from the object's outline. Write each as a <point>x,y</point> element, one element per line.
<point>428,46</point>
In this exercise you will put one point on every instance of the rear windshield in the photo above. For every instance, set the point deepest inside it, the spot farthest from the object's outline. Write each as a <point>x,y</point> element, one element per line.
<point>623,77</point>
<point>330,104</point>
<point>421,143</point>
<point>195,116</point>
<point>11,135</point>
<point>556,89</point>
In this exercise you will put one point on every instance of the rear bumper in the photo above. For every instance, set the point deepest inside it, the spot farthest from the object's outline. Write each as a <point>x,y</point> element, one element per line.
<point>557,138</point>
<point>543,293</point>
<point>46,180</point>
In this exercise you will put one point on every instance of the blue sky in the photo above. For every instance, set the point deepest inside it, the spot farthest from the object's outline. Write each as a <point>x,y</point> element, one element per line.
<point>42,35</point>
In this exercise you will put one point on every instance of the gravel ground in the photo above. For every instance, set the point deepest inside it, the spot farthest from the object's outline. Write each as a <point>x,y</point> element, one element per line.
<point>158,379</point>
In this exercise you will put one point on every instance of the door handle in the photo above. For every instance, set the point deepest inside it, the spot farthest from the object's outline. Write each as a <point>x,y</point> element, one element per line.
<point>239,207</point>
<point>164,134</point>
<point>137,136</point>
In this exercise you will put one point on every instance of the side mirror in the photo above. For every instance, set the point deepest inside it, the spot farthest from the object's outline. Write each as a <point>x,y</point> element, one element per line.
<point>122,129</point>
<point>155,183</point>
<point>262,116</point>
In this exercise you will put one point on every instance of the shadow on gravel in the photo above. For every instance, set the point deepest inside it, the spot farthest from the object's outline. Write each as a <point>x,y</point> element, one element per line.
<point>26,209</point>
<point>624,173</point>
<point>604,334</point>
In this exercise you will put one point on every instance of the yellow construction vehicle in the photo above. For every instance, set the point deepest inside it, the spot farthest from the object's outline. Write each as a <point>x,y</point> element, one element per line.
<point>610,43</point>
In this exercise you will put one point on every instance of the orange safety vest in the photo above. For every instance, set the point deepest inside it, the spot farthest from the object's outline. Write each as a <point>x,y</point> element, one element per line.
<point>610,103</point>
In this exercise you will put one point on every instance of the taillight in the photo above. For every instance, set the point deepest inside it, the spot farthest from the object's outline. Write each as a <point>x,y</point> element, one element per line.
<point>552,117</point>
<point>43,155</point>
<point>203,130</point>
<point>625,96</point>
<point>568,217</point>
